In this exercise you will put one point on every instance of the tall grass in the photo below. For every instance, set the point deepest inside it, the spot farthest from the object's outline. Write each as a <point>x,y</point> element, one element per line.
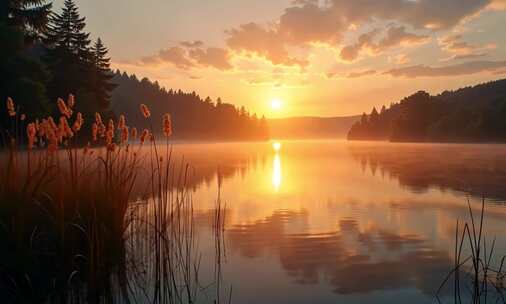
<point>477,276</point>
<point>71,228</point>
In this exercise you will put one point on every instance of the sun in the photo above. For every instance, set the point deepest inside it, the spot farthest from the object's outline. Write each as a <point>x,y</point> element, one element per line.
<point>276,104</point>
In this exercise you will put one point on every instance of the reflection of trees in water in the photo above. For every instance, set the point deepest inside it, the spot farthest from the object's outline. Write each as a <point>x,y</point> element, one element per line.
<point>352,260</point>
<point>477,170</point>
<point>203,168</point>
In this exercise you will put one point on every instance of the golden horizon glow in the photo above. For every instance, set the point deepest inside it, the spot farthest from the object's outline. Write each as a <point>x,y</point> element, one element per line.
<point>259,59</point>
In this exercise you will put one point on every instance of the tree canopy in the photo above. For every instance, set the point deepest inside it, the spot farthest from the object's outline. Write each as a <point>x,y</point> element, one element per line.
<point>193,116</point>
<point>469,114</point>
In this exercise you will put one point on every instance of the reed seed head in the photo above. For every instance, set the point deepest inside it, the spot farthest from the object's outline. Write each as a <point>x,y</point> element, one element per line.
<point>145,111</point>
<point>167,125</point>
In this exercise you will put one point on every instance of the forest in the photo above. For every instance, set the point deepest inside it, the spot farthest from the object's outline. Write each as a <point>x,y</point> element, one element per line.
<point>471,114</point>
<point>48,54</point>
<point>193,117</point>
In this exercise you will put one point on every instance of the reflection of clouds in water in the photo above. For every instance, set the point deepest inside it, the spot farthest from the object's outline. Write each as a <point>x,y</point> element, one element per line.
<point>352,260</point>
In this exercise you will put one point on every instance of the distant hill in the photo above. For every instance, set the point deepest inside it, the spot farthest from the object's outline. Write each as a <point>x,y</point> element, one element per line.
<point>471,114</point>
<point>310,127</point>
<point>193,117</point>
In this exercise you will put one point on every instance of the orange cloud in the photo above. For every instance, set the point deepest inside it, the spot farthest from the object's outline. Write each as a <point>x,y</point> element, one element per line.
<point>466,68</point>
<point>194,57</point>
<point>394,36</point>
<point>463,50</point>
<point>212,57</point>
<point>265,42</point>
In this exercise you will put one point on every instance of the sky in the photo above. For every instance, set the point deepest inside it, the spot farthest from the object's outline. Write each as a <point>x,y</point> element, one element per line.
<point>315,57</point>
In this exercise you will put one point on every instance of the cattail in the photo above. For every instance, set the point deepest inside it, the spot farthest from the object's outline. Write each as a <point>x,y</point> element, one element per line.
<point>94,131</point>
<point>145,111</point>
<point>167,125</point>
<point>101,130</point>
<point>134,133</point>
<point>42,127</point>
<point>64,128</point>
<point>22,117</point>
<point>11,109</point>
<point>53,140</point>
<point>31,132</point>
<point>125,132</point>
<point>78,123</point>
<point>64,110</point>
<point>110,126</point>
<point>109,135</point>
<point>71,101</point>
<point>121,122</point>
<point>98,118</point>
<point>144,136</point>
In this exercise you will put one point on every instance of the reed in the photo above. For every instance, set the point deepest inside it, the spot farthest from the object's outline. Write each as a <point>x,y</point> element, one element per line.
<point>478,277</point>
<point>72,227</point>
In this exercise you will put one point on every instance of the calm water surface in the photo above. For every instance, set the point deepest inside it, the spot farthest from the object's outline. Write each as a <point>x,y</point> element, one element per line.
<point>340,222</point>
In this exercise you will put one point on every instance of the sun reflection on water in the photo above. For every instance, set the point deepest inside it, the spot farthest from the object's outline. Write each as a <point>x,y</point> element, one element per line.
<point>276,167</point>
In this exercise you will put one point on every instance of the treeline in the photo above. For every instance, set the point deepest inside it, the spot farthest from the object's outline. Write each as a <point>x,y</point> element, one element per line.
<point>47,54</point>
<point>192,116</point>
<point>471,114</point>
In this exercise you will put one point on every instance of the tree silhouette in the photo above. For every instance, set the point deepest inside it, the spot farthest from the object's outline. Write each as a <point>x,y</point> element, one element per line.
<point>193,117</point>
<point>68,55</point>
<point>470,114</point>
<point>102,76</point>
<point>28,16</point>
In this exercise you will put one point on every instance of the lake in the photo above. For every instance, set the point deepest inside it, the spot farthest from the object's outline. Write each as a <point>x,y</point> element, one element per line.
<point>341,222</point>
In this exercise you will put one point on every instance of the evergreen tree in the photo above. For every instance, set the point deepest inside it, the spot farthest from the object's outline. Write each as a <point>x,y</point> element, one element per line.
<point>28,16</point>
<point>374,116</point>
<point>22,77</point>
<point>102,75</point>
<point>68,56</point>
<point>363,119</point>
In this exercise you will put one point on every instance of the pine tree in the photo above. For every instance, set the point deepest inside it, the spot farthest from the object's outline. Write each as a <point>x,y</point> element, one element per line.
<point>28,16</point>
<point>68,56</point>
<point>102,75</point>
<point>21,76</point>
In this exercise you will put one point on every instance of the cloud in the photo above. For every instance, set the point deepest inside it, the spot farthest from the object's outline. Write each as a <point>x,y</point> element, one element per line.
<point>394,36</point>
<point>469,56</point>
<point>460,49</point>
<point>265,42</point>
<point>193,58</point>
<point>192,44</point>
<point>498,4</point>
<point>361,74</point>
<point>351,52</point>
<point>215,57</point>
<point>421,14</point>
<point>399,59</point>
<point>307,22</point>
<point>466,68</point>
<point>310,23</point>
<point>176,56</point>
